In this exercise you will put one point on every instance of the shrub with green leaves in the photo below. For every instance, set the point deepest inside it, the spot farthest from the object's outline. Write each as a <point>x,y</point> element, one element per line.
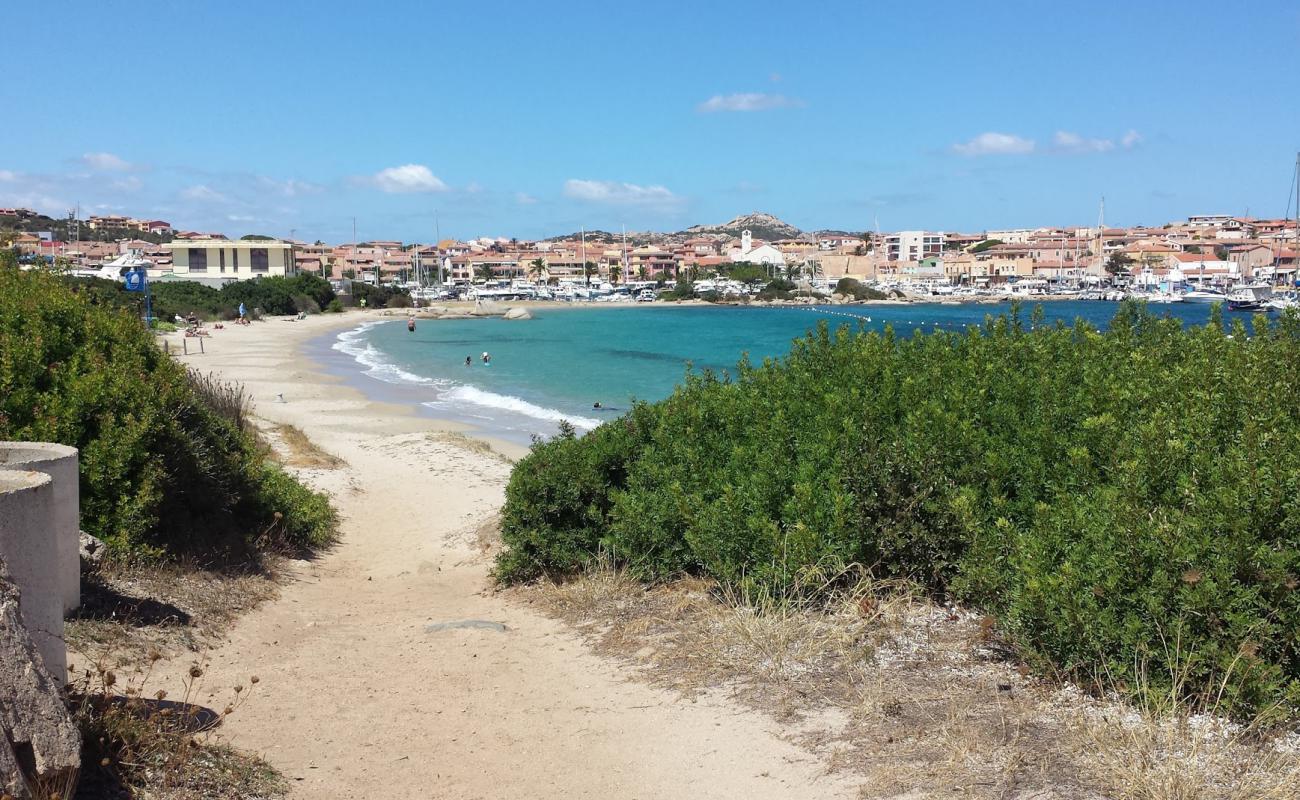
<point>1122,501</point>
<point>162,471</point>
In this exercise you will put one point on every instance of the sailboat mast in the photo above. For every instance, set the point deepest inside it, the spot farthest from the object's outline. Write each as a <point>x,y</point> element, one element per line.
<point>437,245</point>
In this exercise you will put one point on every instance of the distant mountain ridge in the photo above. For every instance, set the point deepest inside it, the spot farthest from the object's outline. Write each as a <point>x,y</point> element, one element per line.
<point>760,224</point>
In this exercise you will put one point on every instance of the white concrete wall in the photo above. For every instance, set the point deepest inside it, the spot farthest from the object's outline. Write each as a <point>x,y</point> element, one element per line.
<point>31,555</point>
<point>60,462</point>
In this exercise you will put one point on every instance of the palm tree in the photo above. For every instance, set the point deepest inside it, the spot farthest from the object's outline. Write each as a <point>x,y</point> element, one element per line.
<point>615,273</point>
<point>588,269</point>
<point>643,272</point>
<point>536,267</point>
<point>485,272</point>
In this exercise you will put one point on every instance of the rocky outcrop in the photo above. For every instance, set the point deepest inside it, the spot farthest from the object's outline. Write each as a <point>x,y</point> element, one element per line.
<point>92,552</point>
<point>488,308</point>
<point>517,313</point>
<point>40,751</point>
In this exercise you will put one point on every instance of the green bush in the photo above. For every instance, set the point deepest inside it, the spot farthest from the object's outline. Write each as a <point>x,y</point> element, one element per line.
<point>279,295</point>
<point>379,296</point>
<point>1122,501</point>
<point>335,306</point>
<point>173,298</point>
<point>852,287</point>
<point>163,469</point>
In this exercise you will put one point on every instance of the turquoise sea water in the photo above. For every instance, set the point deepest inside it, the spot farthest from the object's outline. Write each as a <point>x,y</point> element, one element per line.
<point>566,358</point>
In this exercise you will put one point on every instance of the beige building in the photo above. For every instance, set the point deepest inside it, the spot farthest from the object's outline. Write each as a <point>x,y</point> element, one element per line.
<point>223,260</point>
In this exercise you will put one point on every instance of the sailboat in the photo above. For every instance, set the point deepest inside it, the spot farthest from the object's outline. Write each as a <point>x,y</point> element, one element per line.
<point>1289,299</point>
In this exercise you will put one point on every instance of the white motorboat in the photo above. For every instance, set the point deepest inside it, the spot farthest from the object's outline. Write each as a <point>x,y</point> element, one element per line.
<point>1282,302</point>
<point>1204,296</point>
<point>116,269</point>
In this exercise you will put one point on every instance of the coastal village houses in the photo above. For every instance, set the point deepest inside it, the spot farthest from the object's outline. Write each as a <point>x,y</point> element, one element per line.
<point>1208,247</point>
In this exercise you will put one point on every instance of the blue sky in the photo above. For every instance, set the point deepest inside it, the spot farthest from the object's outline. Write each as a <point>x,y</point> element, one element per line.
<point>531,119</point>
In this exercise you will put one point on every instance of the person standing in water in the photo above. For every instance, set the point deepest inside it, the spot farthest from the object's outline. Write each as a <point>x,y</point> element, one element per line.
<point>410,325</point>
<point>469,361</point>
<point>487,357</point>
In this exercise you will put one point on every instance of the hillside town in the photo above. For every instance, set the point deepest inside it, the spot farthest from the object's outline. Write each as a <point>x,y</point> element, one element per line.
<point>1205,250</point>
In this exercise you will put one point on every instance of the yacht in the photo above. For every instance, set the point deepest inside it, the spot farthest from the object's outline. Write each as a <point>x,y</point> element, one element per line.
<point>117,268</point>
<point>1281,302</point>
<point>1205,296</point>
<point>1250,297</point>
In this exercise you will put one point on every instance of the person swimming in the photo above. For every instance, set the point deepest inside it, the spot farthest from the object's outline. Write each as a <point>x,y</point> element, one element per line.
<point>469,362</point>
<point>487,357</point>
<point>597,404</point>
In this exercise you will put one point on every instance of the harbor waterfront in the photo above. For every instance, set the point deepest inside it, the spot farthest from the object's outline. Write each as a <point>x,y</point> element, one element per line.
<point>557,365</point>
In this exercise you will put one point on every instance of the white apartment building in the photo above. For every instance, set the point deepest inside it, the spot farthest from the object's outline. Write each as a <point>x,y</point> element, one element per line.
<point>913,245</point>
<point>218,261</point>
<point>1012,235</point>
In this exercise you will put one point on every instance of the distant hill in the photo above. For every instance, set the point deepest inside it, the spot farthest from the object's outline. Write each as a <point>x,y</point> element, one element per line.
<point>761,225</point>
<point>63,230</point>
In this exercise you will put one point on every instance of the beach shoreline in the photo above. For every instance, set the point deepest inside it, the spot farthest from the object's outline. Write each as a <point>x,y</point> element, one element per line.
<point>366,678</point>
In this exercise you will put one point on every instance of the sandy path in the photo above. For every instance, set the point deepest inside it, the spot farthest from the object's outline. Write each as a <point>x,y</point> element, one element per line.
<point>356,699</point>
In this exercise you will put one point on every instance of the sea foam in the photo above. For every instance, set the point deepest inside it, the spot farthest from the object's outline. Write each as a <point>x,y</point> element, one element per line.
<point>480,397</point>
<point>451,395</point>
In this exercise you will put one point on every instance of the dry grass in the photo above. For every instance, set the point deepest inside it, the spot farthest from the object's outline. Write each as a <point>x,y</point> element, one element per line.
<point>469,443</point>
<point>918,699</point>
<point>300,451</point>
<point>140,743</point>
<point>1186,757</point>
<point>225,399</point>
<point>171,608</point>
<point>1174,745</point>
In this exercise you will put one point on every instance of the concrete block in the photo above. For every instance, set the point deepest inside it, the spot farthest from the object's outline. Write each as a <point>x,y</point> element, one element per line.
<point>31,555</point>
<point>60,462</point>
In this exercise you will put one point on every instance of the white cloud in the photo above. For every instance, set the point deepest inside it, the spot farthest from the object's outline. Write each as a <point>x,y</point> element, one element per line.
<point>287,188</point>
<point>408,178</point>
<point>525,199</point>
<point>129,183</point>
<point>37,201</point>
<point>993,143</point>
<point>106,162</point>
<point>747,101</point>
<point>203,193</point>
<point>8,175</point>
<point>1067,142</point>
<point>616,193</point>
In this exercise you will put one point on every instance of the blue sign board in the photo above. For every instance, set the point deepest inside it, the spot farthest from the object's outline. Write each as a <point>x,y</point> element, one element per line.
<point>135,280</point>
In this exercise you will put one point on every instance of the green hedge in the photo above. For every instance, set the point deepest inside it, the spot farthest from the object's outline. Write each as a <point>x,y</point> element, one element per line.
<point>273,294</point>
<point>161,471</point>
<point>1122,502</point>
